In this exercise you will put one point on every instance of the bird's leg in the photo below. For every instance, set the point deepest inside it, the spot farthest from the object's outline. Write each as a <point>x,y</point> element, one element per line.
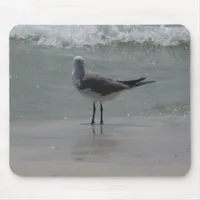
<point>101,129</point>
<point>101,109</point>
<point>93,116</point>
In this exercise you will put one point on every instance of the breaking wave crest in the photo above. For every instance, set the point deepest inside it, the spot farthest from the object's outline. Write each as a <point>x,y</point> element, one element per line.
<point>91,36</point>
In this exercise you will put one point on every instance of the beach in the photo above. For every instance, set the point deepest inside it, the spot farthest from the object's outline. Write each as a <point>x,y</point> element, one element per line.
<point>122,147</point>
<point>146,130</point>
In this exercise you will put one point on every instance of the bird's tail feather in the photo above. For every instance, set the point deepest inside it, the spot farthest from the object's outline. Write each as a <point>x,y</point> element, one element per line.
<point>136,83</point>
<point>143,83</point>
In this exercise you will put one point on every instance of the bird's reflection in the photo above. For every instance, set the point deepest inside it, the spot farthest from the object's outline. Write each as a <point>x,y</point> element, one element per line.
<point>94,131</point>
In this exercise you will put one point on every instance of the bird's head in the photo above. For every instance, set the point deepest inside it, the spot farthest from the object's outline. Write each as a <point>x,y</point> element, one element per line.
<point>79,68</point>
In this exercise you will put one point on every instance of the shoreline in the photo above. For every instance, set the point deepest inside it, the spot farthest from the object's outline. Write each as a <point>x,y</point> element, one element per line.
<point>142,146</point>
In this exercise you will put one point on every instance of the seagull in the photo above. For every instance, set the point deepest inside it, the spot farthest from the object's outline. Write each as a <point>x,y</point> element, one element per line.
<point>99,88</point>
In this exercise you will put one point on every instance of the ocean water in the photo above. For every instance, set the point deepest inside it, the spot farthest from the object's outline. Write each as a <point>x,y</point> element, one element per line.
<point>41,64</point>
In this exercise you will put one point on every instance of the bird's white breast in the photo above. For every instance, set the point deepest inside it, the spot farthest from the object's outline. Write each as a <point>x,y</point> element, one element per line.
<point>75,80</point>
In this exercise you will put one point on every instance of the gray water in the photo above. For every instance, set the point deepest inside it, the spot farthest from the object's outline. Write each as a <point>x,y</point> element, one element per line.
<point>41,85</point>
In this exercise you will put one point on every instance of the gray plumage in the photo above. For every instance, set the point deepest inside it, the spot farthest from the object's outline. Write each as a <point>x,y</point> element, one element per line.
<point>101,85</point>
<point>105,86</point>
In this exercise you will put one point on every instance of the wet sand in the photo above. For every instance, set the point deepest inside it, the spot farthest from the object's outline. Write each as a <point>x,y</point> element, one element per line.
<point>141,146</point>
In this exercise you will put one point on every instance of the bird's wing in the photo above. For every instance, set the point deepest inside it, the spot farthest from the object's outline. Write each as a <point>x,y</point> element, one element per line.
<point>100,84</point>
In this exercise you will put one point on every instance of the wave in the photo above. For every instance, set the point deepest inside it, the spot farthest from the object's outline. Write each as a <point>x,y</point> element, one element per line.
<point>91,36</point>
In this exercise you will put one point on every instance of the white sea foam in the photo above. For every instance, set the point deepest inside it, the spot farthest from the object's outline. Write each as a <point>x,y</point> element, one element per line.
<point>81,36</point>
